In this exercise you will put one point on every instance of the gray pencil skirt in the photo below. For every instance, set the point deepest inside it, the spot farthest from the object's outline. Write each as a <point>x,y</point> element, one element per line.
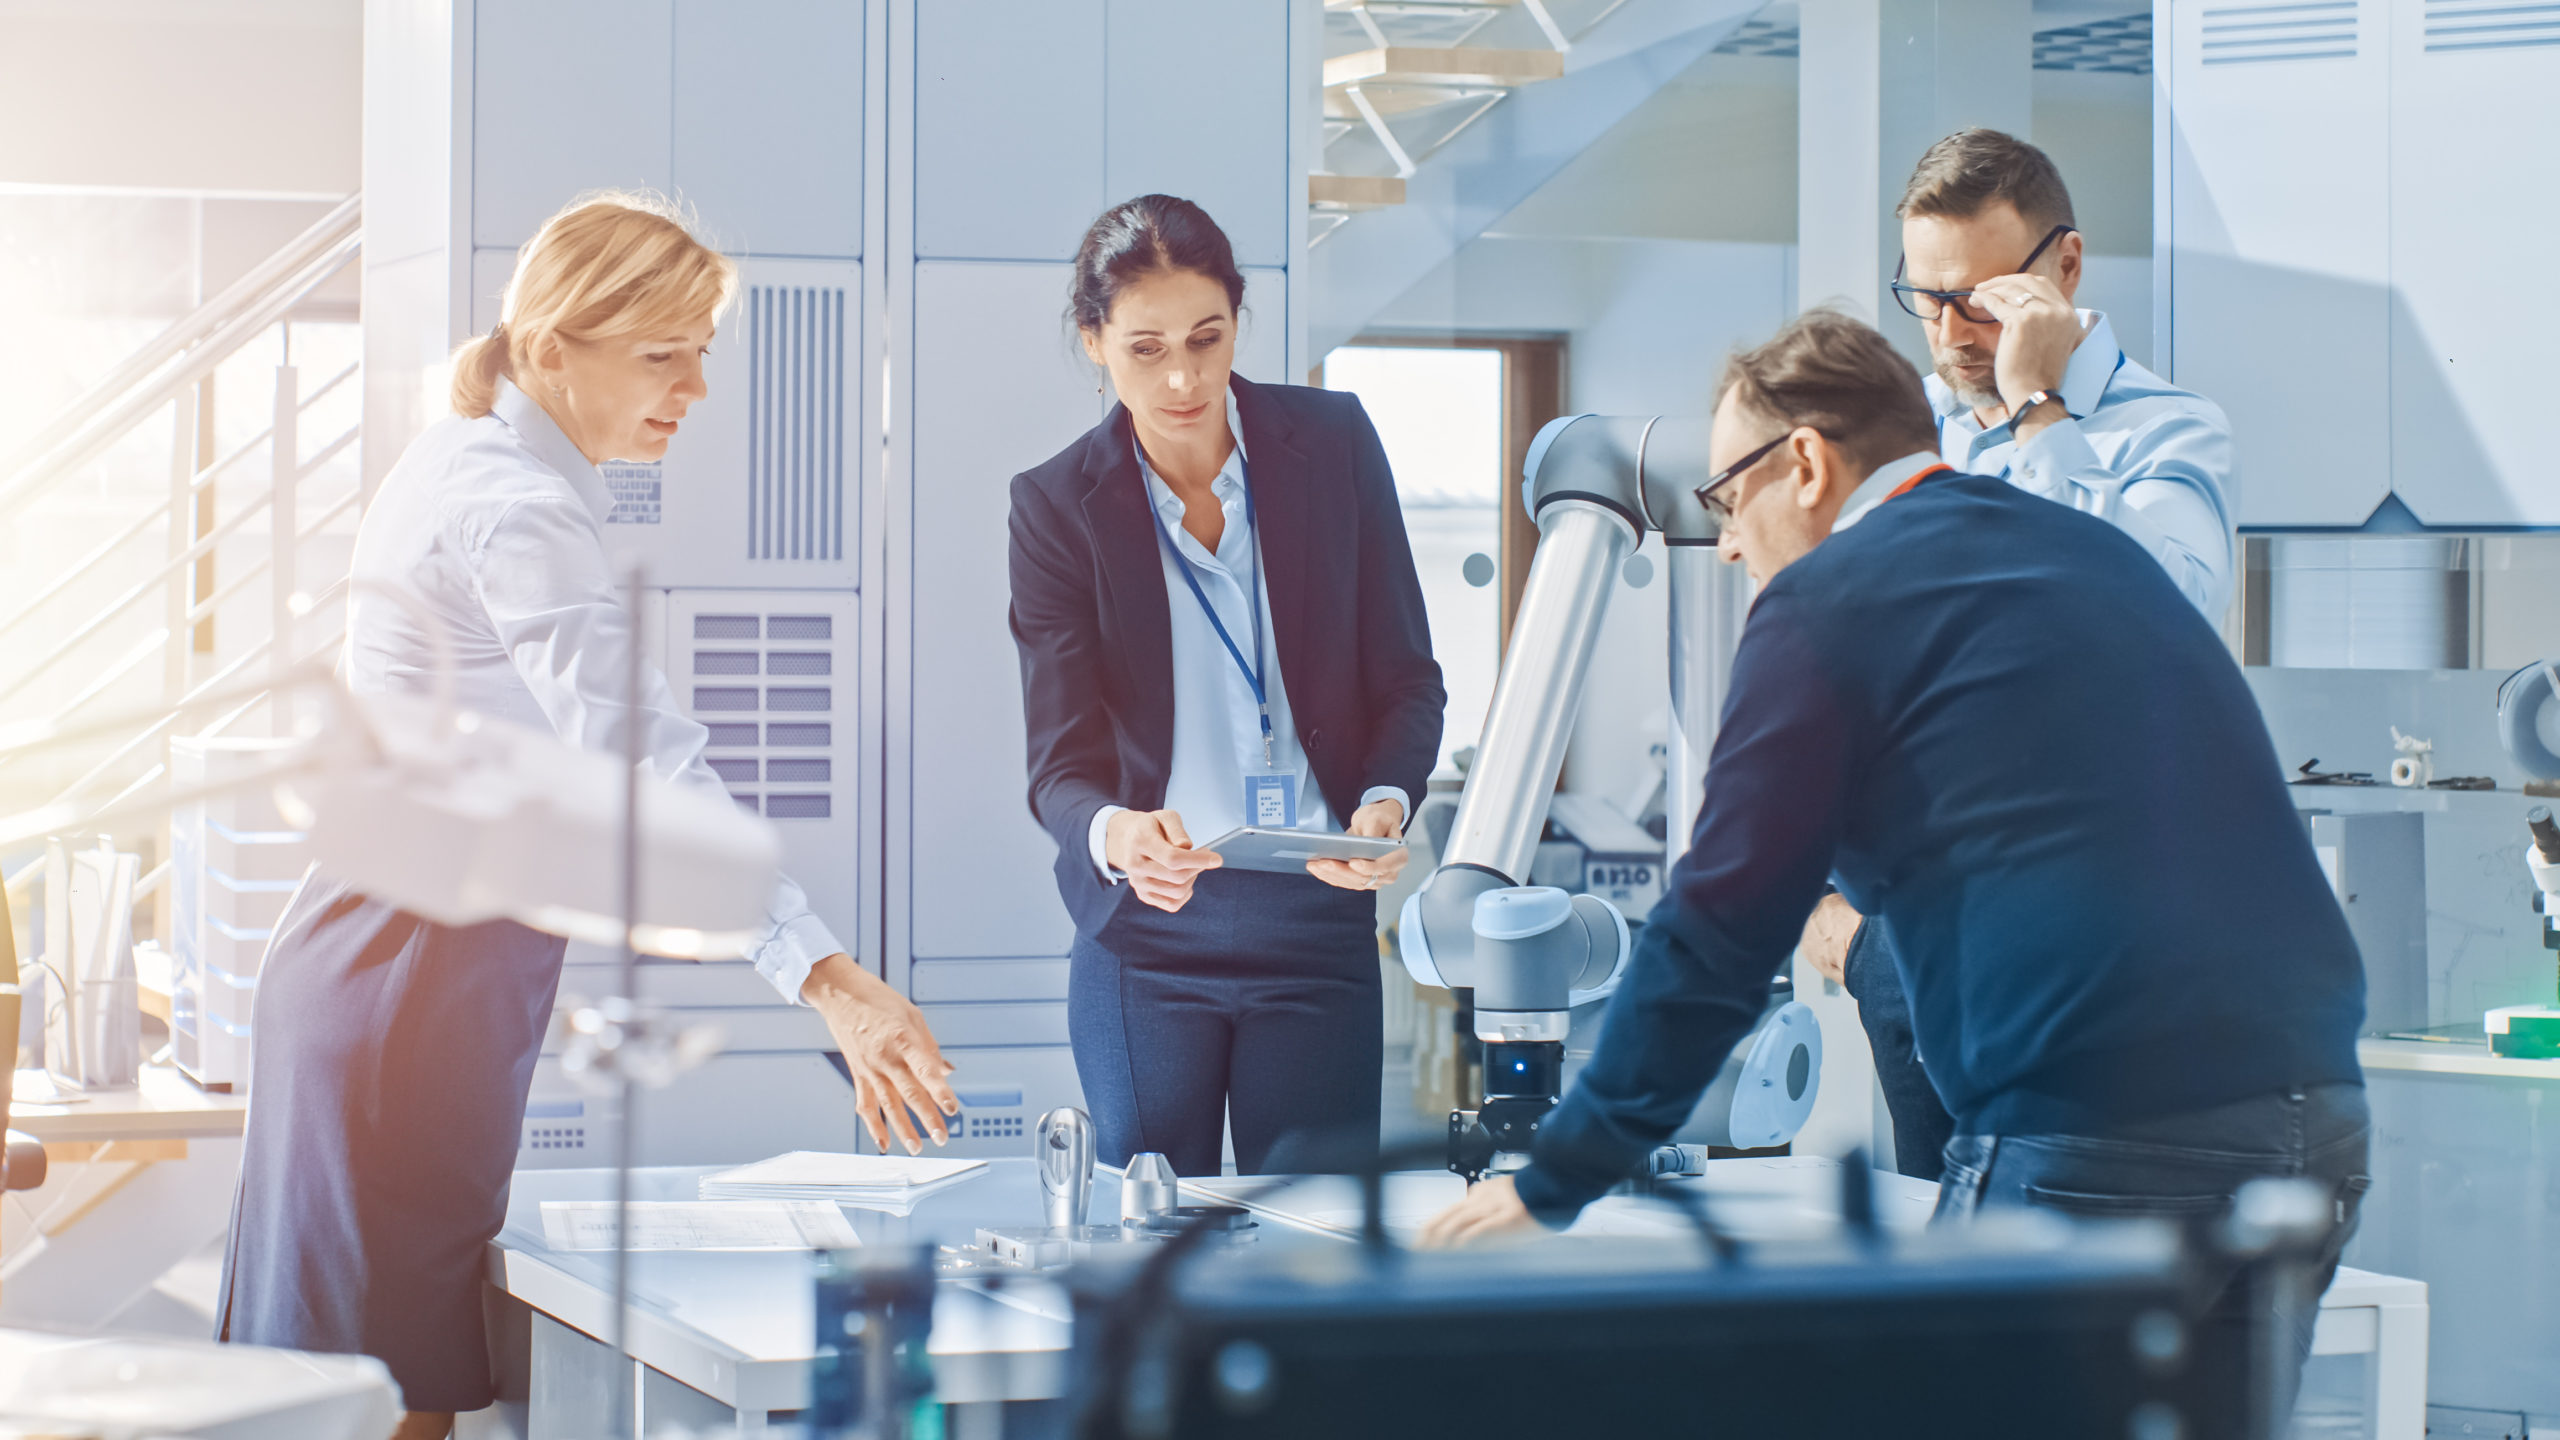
<point>388,1068</point>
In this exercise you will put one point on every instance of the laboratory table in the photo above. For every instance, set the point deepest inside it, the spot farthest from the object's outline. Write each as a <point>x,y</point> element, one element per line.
<point>726,1338</point>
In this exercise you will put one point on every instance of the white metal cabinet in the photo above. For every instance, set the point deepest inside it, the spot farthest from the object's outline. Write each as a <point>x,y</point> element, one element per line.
<point>2475,109</point>
<point>998,389</point>
<point>1193,110</point>
<point>767,124</point>
<point>761,486</point>
<point>1008,128</point>
<point>776,676</point>
<point>567,96</point>
<point>2280,282</point>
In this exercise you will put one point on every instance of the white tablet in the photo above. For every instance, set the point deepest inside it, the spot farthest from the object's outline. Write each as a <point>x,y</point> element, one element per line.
<point>1288,851</point>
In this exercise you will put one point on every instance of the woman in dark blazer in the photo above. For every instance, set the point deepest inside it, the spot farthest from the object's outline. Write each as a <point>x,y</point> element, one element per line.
<point>1199,998</point>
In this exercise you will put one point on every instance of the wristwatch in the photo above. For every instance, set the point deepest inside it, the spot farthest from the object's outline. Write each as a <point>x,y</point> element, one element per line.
<point>2040,397</point>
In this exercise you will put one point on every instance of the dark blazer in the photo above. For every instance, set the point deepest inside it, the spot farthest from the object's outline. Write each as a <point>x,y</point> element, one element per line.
<point>1090,618</point>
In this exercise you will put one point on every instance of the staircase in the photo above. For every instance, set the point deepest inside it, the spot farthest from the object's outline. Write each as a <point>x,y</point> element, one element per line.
<point>1402,78</point>
<point>1440,116</point>
<point>144,618</point>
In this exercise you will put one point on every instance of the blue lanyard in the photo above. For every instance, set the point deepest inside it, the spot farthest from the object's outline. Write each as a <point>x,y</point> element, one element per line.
<point>1253,601</point>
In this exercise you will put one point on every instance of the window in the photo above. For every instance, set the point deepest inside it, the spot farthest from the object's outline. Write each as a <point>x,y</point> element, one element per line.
<point>1456,417</point>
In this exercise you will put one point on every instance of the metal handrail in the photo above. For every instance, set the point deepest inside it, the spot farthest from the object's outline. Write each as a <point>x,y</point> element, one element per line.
<point>177,561</point>
<point>112,421</point>
<point>143,526</point>
<point>329,234</point>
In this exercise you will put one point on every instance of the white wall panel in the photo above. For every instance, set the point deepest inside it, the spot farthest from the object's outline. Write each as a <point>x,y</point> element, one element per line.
<point>567,96</point>
<point>1008,128</point>
<point>997,390</point>
<point>1198,106</point>
<point>2278,174</point>
<point>2470,260</point>
<point>767,143</point>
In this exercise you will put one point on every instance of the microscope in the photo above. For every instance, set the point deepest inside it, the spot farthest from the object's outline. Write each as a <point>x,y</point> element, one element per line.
<point>2533,1031</point>
<point>1530,954</point>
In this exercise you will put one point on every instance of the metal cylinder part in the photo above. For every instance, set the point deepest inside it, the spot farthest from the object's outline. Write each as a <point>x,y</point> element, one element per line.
<point>1148,1187</point>
<point>1063,1148</point>
<point>1504,809</point>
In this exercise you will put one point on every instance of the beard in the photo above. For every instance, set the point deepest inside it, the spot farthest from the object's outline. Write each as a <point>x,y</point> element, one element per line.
<point>1946,362</point>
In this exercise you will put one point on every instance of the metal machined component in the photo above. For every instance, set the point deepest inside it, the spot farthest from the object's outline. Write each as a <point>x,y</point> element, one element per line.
<point>1148,1187</point>
<point>1063,1146</point>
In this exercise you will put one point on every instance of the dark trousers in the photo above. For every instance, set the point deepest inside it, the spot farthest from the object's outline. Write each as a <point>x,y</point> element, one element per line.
<point>1255,1006</point>
<point>2185,1169</point>
<point>1921,1124</point>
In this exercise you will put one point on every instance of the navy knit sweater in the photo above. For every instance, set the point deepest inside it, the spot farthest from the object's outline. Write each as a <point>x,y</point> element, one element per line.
<point>2017,747</point>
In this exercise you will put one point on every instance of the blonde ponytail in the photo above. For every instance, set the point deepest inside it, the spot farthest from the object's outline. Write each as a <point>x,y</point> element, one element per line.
<point>612,264</point>
<point>476,368</point>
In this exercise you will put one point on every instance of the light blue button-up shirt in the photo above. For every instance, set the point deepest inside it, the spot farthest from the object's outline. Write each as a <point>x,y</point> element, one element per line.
<point>496,525</point>
<point>2136,451</point>
<point>1217,723</point>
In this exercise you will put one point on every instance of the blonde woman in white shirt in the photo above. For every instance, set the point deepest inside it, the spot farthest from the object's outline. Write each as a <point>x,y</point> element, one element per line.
<point>393,1054</point>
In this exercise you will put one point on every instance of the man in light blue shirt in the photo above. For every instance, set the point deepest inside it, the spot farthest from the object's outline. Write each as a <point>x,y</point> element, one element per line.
<point>2033,390</point>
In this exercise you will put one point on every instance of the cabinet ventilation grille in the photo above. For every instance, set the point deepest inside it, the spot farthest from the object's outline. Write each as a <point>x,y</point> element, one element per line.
<point>2262,34</point>
<point>783,767</point>
<point>795,442</point>
<point>2490,25</point>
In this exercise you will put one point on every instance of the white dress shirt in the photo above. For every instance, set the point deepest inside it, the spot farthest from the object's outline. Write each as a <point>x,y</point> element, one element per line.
<point>496,524</point>
<point>2134,450</point>
<point>1217,723</point>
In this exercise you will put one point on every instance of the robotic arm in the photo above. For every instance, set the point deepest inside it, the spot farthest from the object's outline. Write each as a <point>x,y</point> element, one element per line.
<point>1594,484</point>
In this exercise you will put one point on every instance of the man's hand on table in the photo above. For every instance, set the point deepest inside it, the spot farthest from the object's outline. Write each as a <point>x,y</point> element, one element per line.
<point>899,1075</point>
<point>1827,933</point>
<point>1491,1211</point>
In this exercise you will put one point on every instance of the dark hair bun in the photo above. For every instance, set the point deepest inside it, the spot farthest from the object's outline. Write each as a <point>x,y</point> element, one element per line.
<point>1140,237</point>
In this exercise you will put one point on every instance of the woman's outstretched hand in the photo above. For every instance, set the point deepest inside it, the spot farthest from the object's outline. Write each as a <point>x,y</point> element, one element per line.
<point>899,1075</point>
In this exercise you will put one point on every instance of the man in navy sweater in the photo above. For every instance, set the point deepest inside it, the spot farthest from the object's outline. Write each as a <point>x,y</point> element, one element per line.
<point>2011,739</point>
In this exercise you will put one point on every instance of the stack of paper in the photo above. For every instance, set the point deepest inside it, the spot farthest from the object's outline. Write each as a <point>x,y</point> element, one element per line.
<point>880,1182</point>
<point>697,1225</point>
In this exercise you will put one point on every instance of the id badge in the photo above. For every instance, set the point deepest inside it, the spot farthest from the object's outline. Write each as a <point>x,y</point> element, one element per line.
<point>1271,801</point>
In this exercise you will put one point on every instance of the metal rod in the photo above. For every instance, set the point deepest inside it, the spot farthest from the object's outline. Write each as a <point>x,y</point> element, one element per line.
<point>626,1148</point>
<point>284,535</point>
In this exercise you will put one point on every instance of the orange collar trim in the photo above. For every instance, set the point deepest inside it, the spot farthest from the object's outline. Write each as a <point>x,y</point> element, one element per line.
<point>1907,486</point>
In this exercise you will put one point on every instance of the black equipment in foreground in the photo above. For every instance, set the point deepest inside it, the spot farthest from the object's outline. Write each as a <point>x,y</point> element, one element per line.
<point>2034,1329</point>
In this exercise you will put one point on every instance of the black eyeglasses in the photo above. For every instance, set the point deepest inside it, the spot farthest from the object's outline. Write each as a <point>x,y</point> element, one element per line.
<point>1930,304</point>
<point>1707,493</point>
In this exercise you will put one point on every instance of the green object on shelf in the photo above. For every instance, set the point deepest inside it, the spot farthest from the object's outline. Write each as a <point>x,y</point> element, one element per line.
<point>2526,1032</point>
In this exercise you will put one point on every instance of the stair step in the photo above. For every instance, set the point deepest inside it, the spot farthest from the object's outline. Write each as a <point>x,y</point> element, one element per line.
<point>1455,65</point>
<point>1355,192</point>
